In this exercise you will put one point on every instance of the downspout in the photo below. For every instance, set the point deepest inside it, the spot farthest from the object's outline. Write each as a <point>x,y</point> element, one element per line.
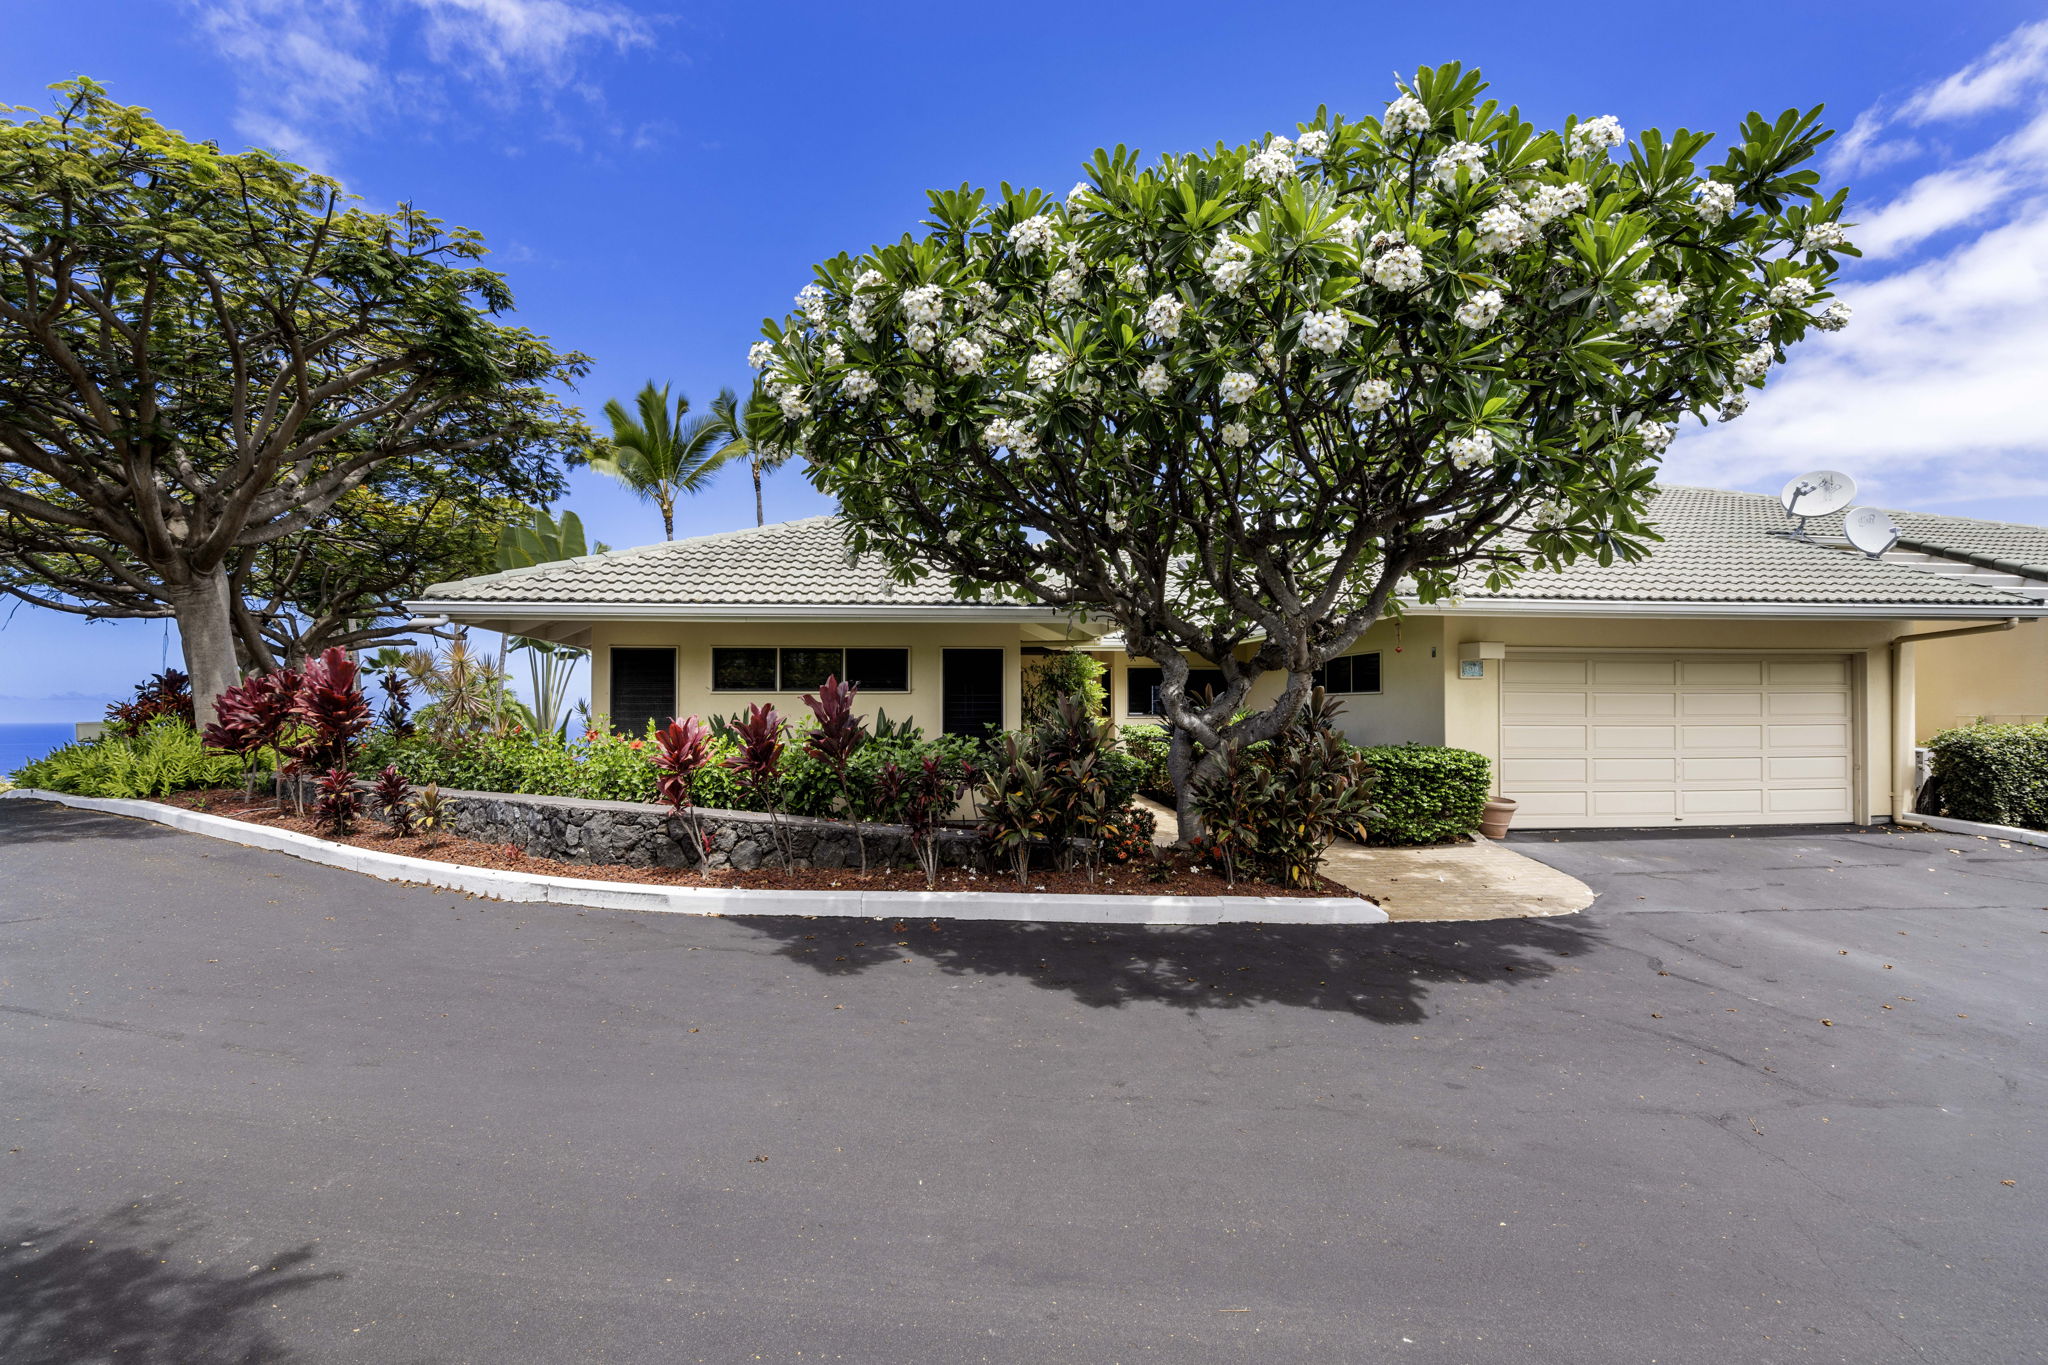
<point>1905,735</point>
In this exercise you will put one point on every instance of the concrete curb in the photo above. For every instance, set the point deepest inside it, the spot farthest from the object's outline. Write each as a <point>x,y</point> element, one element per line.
<point>2010,833</point>
<point>689,900</point>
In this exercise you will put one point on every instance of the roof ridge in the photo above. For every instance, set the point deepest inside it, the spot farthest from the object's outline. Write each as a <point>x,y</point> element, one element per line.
<point>635,551</point>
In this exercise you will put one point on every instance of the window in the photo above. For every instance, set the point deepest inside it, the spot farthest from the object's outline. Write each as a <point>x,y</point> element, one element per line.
<point>1141,687</point>
<point>743,670</point>
<point>766,669</point>
<point>878,670</point>
<point>643,688</point>
<point>1351,673</point>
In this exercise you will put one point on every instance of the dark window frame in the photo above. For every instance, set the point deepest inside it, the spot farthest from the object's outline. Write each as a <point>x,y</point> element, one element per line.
<point>1379,671</point>
<point>612,683</point>
<point>1198,678</point>
<point>780,684</point>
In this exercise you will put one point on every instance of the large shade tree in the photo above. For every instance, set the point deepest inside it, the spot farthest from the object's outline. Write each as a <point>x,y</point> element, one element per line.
<point>203,353</point>
<point>1235,401</point>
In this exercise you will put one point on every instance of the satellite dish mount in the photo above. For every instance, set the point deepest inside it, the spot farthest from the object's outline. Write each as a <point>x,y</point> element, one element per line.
<point>1816,495</point>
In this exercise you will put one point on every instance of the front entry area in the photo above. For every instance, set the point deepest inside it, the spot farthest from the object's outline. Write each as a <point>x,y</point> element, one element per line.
<point>1627,739</point>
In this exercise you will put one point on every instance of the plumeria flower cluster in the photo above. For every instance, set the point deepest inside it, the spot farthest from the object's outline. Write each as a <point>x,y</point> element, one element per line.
<point>1596,135</point>
<point>1481,309</point>
<point>1657,307</point>
<point>1273,164</point>
<point>1325,331</point>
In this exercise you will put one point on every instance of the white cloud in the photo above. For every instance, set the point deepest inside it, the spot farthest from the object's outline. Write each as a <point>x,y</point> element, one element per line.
<point>309,72</point>
<point>1935,392</point>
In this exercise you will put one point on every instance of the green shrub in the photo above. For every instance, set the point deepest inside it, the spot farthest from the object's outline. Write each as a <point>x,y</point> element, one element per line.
<point>163,756</point>
<point>1426,794</point>
<point>1146,746</point>
<point>1993,774</point>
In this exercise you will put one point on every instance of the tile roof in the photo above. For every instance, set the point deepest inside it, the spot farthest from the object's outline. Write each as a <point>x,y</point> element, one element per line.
<point>800,562</point>
<point>1718,547</point>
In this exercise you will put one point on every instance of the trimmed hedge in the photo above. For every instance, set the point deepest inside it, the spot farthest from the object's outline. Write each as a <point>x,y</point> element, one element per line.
<point>1993,774</point>
<point>1426,794</point>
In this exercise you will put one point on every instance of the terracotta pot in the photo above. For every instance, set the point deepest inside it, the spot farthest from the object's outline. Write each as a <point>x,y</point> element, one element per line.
<point>1493,822</point>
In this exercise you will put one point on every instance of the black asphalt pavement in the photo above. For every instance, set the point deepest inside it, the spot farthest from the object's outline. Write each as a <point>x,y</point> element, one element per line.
<point>1774,1098</point>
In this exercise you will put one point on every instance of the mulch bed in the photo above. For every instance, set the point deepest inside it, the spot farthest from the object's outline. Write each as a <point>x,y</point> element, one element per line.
<point>1187,878</point>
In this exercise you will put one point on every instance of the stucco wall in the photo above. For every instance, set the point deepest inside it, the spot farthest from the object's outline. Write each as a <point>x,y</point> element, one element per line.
<point>694,641</point>
<point>2002,677</point>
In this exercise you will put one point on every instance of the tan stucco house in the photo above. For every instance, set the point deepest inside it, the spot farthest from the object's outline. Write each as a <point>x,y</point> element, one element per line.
<point>1737,676</point>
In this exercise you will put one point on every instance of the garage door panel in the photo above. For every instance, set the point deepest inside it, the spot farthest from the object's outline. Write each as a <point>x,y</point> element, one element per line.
<point>1746,740</point>
<point>1532,770</point>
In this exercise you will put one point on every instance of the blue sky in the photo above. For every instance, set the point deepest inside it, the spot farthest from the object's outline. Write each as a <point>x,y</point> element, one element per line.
<point>655,178</point>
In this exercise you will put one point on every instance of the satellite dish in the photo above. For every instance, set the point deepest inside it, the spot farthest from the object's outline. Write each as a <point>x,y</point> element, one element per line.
<point>1817,494</point>
<point>1871,530</point>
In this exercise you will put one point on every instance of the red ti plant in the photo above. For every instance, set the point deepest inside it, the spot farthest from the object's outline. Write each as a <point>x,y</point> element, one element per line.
<point>252,716</point>
<point>168,693</point>
<point>758,763</point>
<point>683,748</point>
<point>331,702</point>
<point>921,798</point>
<point>394,798</point>
<point>834,739</point>
<point>336,811</point>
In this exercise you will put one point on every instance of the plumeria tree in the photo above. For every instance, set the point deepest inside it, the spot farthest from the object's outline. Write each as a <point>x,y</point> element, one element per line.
<point>1235,400</point>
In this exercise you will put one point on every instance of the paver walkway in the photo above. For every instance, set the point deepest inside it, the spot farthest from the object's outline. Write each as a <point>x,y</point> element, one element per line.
<point>1478,879</point>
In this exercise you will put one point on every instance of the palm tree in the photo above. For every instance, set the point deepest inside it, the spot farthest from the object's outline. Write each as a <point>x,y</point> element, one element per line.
<point>659,455</point>
<point>763,458</point>
<point>541,539</point>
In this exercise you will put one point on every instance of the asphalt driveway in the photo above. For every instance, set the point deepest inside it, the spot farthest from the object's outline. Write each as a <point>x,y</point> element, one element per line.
<point>1774,1098</point>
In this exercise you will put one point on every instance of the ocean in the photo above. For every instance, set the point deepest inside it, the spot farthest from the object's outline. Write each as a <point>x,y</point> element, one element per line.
<point>21,744</point>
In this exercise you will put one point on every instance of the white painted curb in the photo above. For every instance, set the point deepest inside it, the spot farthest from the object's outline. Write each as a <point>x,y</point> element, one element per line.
<point>2010,833</point>
<point>692,900</point>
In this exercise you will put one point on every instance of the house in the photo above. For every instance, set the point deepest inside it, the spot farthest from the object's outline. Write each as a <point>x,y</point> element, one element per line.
<point>1737,676</point>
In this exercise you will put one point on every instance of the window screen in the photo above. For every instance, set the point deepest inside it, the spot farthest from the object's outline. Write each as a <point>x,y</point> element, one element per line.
<point>1141,687</point>
<point>643,688</point>
<point>804,669</point>
<point>743,670</point>
<point>878,670</point>
<point>1352,673</point>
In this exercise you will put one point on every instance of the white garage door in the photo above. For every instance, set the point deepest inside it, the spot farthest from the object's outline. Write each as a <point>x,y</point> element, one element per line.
<point>1653,739</point>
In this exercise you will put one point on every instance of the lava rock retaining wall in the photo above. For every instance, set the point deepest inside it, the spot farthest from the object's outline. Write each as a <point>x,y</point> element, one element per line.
<point>629,834</point>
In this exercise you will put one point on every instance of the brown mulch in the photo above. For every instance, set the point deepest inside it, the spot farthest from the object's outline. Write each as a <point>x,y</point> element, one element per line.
<point>1187,878</point>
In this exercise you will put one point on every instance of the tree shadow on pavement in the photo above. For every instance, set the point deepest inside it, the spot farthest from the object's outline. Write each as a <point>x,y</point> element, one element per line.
<point>1379,972</point>
<point>121,1288</point>
<point>27,821</point>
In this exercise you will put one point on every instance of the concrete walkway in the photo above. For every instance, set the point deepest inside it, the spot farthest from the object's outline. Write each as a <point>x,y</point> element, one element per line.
<point>1475,880</point>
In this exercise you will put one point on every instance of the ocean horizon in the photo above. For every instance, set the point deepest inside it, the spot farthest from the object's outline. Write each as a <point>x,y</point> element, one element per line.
<point>24,743</point>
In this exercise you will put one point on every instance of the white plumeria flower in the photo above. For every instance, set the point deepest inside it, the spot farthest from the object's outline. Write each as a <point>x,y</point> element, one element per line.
<point>1546,203</point>
<point>812,302</point>
<point>981,296</point>
<point>1064,286</point>
<point>1654,436</point>
<point>1406,115</point>
<point>1236,434</point>
<point>1269,359</point>
<point>1473,448</point>
<point>1043,369</point>
<point>1162,319</point>
<point>1325,331</point>
<point>869,279</point>
<point>835,354</point>
<point>1274,164</point>
<point>1500,228</point>
<point>921,399</point>
<point>1657,307</point>
<point>1036,233</point>
<point>1007,433</point>
<point>795,407</point>
<point>924,304</point>
<point>1237,386</point>
<point>1229,265</point>
<point>1547,514</point>
<point>921,337</point>
<point>1792,291</point>
<point>760,353</point>
<point>1081,187</point>
<point>1399,268</point>
<point>1313,143</point>
<point>857,385</point>
<point>1481,309</point>
<point>1134,275</point>
<point>1371,395</point>
<point>1758,327</point>
<point>1751,365</point>
<point>1823,237</point>
<point>965,356</point>
<point>1444,169</point>
<point>1734,402</point>
<point>1597,135</point>
<point>1715,200</point>
<point>1835,317</point>
<point>1154,380</point>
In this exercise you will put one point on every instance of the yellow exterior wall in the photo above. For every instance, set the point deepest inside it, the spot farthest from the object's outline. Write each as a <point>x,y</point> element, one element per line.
<point>2001,677</point>
<point>694,641</point>
<point>1472,705</point>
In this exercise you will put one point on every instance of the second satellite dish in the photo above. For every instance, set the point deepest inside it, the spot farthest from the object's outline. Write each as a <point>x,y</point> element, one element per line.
<point>1871,530</point>
<point>1815,495</point>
